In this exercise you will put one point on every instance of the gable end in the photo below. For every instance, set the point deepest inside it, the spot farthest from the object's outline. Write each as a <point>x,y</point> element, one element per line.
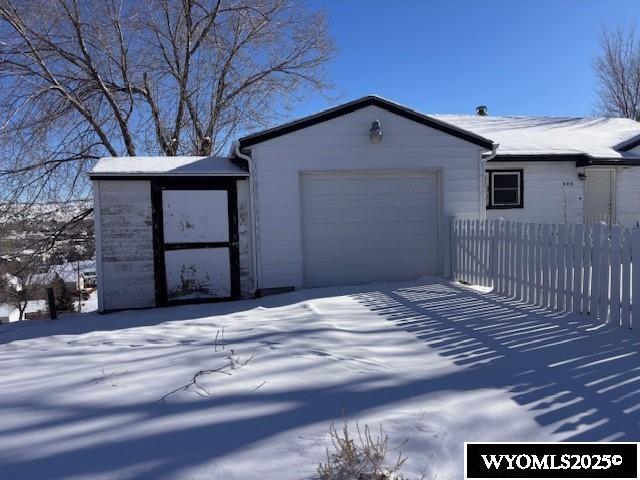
<point>357,105</point>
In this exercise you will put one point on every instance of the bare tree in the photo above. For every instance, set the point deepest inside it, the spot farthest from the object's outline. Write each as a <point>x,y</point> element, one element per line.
<point>85,79</point>
<point>618,71</point>
<point>21,290</point>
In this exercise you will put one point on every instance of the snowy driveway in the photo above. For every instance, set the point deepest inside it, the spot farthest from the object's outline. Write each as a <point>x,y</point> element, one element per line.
<point>434,363</point>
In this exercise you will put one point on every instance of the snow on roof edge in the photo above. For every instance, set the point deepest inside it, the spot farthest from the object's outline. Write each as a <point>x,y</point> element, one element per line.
<point>594,137</point>
<point>166,166</point>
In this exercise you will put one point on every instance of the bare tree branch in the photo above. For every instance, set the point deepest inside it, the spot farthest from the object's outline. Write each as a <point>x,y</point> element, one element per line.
<point>85,79</point>
<point>618,71</point>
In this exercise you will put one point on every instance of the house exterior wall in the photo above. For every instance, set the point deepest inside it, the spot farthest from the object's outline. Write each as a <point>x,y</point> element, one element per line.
<point>628,196</point>
<point>342,144</point>
<point>552,193</point>
<point>124,243</point>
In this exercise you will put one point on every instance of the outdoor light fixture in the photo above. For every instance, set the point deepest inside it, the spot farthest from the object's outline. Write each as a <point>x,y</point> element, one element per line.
<point>375,134</point>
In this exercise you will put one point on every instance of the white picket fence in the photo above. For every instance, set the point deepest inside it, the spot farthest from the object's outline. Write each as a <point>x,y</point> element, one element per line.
<point>579,268</point>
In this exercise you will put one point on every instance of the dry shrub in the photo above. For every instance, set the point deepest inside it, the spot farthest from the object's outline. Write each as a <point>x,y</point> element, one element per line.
<point>361,458</point>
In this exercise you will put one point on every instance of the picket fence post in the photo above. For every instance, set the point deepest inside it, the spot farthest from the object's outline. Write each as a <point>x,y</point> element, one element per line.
<point>603,312</point>
<point>569,262</point>
<point>587,277</point>
<point>616,263</point>
<point>561,267</point>
<point>625,313</point>
<point>596,248</point>
<point>453,254</point>
<point>578,265</point>
<point>635,279</point>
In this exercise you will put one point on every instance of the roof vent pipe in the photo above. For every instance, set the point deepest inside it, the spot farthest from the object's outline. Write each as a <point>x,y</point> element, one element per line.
<point>482,110</point>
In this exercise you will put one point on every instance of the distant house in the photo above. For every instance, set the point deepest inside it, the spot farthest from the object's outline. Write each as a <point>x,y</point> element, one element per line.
<point>5,313</point>
<point>11,281</point>
<point>34,309</point>
<point>88,279</point>
<point>356,193</point>
<point>72,273</point>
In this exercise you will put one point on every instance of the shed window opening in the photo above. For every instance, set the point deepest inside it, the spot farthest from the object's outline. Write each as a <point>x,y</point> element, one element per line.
<point>504,189</point>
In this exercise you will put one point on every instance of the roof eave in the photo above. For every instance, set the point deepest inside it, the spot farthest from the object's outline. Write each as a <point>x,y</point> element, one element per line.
<point>630,162</point>
<point>629,144</point>
<point>580,159</point>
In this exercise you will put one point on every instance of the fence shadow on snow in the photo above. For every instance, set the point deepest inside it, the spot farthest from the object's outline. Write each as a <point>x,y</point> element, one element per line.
<point>580,377</point>
<point>577,376</point>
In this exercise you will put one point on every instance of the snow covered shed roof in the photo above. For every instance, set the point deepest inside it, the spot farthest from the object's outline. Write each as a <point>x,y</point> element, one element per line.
<point>164,166</point>
<point>564,138</point>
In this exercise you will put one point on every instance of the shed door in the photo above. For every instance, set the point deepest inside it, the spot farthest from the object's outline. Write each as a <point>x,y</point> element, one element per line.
<point>197,242</point>
<point>365,227</point>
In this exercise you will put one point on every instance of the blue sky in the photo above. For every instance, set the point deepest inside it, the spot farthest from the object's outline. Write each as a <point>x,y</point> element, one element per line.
<point>519,57</point>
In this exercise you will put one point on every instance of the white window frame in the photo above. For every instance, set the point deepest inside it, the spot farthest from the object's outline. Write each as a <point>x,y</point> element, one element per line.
<point>491,203</point>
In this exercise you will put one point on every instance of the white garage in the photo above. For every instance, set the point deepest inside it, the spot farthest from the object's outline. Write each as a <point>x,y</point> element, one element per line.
<point>360,193</point>
<point>363,227</point>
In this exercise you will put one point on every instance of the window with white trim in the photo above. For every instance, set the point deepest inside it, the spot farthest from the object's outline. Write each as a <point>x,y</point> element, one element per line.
<point>504,189</point>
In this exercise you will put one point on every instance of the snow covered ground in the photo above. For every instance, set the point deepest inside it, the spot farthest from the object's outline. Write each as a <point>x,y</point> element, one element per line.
<point>436,364</point>
<point>90,304</point>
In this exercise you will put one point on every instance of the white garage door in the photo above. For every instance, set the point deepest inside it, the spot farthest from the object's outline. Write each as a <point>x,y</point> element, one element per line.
<point>364,227</point>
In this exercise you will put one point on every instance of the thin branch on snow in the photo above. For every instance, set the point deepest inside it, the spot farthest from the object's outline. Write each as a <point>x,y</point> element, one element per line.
<point>233,362</point>
<point>260,386</point>
<point>194,383</point>
<point>215,342</point>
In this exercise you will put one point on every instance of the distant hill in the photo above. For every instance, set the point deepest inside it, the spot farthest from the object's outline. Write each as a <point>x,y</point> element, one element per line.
<point>28,229</point>
<point>49,212</point>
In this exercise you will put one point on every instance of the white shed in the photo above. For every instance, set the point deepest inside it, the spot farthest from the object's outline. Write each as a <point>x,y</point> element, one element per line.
<point>170,230</point>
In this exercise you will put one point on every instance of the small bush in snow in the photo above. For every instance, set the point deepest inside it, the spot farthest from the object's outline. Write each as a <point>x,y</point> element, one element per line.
<point>361,458</point>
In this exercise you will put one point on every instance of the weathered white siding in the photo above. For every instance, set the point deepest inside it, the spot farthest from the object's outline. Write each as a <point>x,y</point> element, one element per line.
<point>552,193</point>
<point>628,196</point>
<point>125,248</point>
<point>244,234</point>
<point>342,144</point>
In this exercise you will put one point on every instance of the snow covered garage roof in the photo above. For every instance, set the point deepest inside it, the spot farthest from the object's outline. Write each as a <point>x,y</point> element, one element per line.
<point>568,138</point>
<point>164,166</point>
<point>583,140</point>
<point>345,108</point>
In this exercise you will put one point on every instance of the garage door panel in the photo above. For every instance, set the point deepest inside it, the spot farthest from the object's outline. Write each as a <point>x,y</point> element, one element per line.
<point>382,186</point>
<point>362,227</point>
